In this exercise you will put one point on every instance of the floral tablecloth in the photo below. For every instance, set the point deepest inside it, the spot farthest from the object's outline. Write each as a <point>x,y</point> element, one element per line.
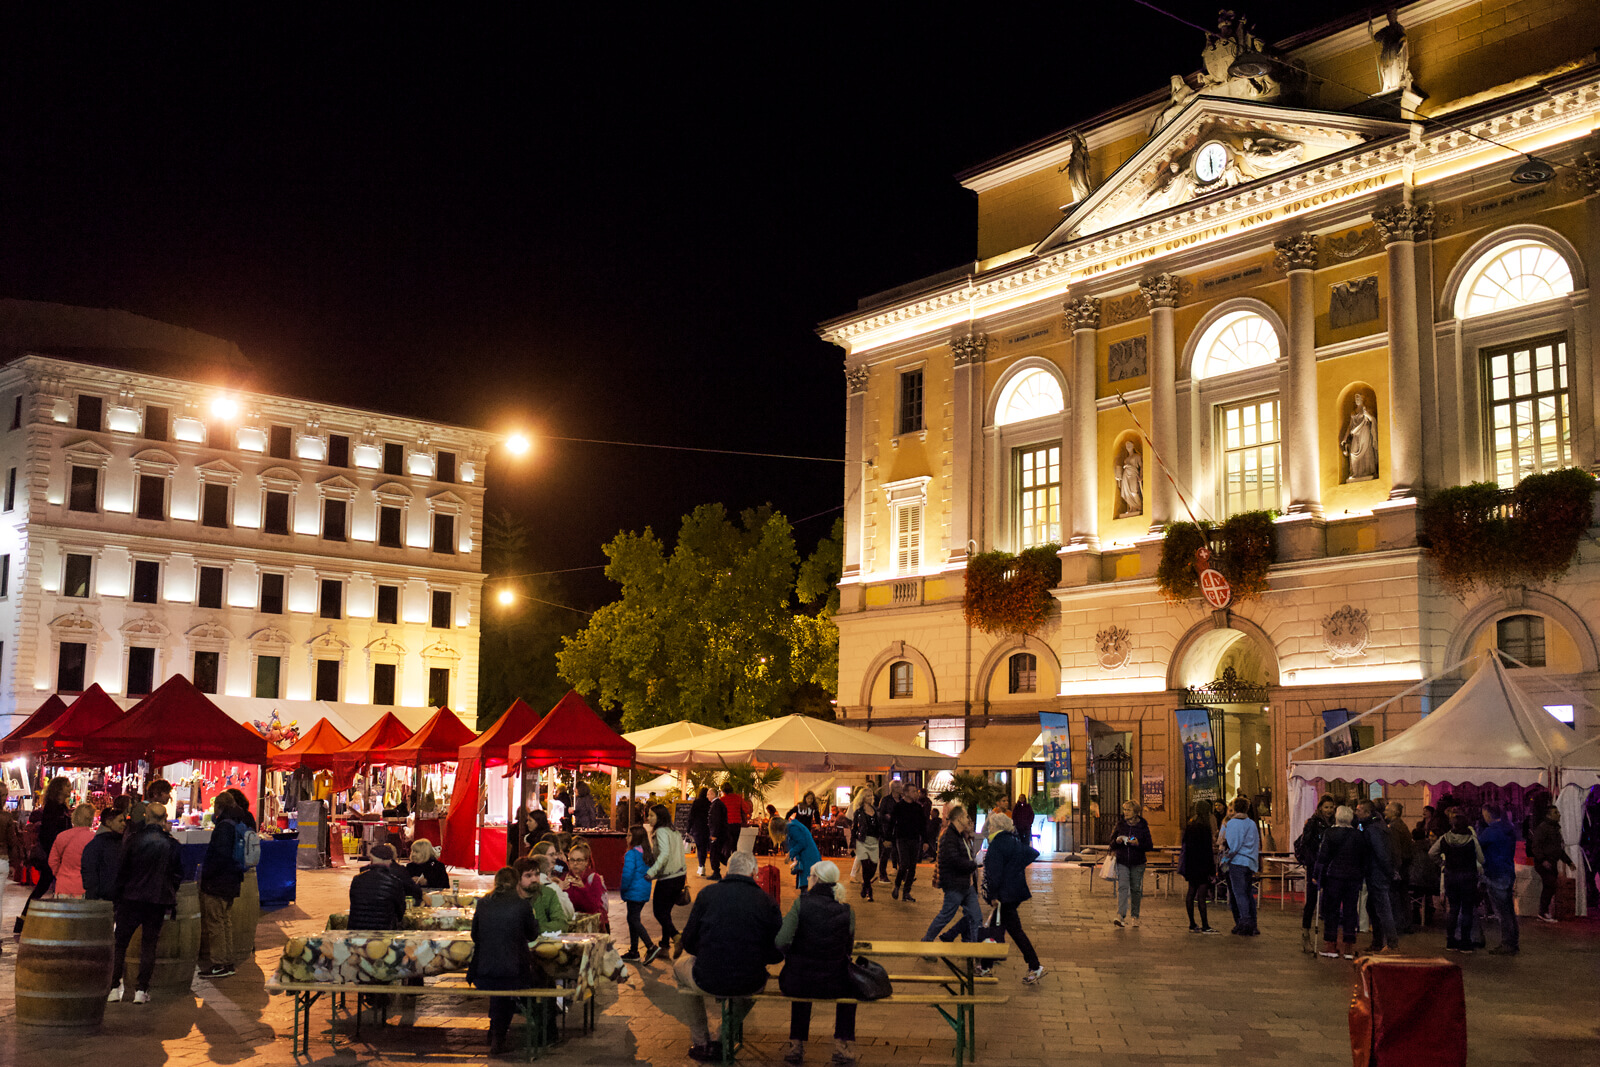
<point>385,957</point>
<point>444,898</point>
<point>417,919</point>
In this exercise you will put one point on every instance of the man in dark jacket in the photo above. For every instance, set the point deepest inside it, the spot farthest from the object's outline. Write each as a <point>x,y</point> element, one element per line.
<point>101,855</point>
<point>909,822</point>
<point>1380,878</point>
<point>730,939</point>
<point>220,879</point>
<point>145,888</point>
<point>379,893</point>
<point>502,928</point>
<point>957,868</point>
<point>721,847</point>
<point>886,806</point>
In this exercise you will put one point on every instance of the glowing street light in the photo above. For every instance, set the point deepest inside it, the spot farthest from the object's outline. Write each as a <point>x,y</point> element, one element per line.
<point>517,444</point>
<point>225,408</point>
<point>507,596</point>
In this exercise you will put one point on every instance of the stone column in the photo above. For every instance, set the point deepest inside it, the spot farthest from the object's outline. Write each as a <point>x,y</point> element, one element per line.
<point>1586,345</point>
<point>1161,297</point>
<point>966,461</point>
<point>855,461</point>
<point>1083,316</point>
<point>1401,227</point>
<point>1298,256</point>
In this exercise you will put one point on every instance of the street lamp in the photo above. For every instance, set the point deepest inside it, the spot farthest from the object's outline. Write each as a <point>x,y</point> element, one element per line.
<point>517,444</point>
<point>506,597</point>
<point>225,408</point>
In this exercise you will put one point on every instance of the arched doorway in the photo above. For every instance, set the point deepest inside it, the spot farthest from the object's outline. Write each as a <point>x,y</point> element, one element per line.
<point>1228,671</point>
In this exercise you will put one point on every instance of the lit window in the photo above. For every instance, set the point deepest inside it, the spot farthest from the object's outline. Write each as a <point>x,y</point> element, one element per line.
<point>1529,427</point>
<point>1029,396</point>
<point>1250,474</point>
<point>1522,638</point>
<point>900,675</point>
<point>1236,341</point>
<point>910,420</point>
<point>1038,480</point>
<point>908,538</point>
<point>1512,275</point>
<point>1024,673</point>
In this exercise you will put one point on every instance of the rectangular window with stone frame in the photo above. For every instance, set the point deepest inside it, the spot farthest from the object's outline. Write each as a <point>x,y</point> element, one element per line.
<point>214,505</point>
<point>330,600</point>
<point>900,681</point>
<point>269,671</point>
<point>1529,409</point>
<point>90,413</point>
<point>1249,460</point>
<point>908,539</point>
<point>72,664</point>
<point>207,670</point>
<point>141,671</point>
<point>146,581</point>
<point>152,498</point>
<point>271,593</point>
<point>84,492</point>
<point>909,418</point>
<point>389,605</point>
<point>275,513</point>
<point>383,683</point>
<point>327,680</point>
<point>157,422</point>
<point>389,525</point>
<point>1037,505</point>
<point>334,521</point>
<point>440,618</point>
<point>209,590</point>
<point>75,574</point>
<point>438,687</point>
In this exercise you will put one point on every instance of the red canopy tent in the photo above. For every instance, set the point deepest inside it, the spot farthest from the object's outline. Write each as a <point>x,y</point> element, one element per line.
<point>61,742</point>
<point>385,733</point>
<point>175,724</point>
<point>48,712</point>
<point>314,750</point>
<point>463,824</point>
<point>571,736</point>
<point>438,740</point>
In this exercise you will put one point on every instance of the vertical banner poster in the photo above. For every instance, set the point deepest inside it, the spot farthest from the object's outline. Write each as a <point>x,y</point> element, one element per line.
<point>1342,741</point>
<point>1057,749</point>
<point>1153,790</point>
<point>1199,753</point>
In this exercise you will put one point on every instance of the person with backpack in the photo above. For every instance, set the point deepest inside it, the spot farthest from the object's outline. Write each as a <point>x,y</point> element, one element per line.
<point>1463,864</point>
<point>221,875</point>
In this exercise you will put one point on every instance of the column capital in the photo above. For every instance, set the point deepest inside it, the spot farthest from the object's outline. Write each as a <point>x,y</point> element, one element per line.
<point>1296,253</point>
<point>1160,291</point>
<point>1083,313</point>
<point>855,380</point>
<point>1404,222</point>
<point>970,349</point>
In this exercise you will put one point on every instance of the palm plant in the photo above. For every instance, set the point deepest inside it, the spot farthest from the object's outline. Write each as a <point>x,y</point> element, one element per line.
<point>749,782</point>
<point>974,791</point>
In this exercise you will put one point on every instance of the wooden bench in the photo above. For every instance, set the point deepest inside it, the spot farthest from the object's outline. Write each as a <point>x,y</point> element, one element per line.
<point>307,993</point>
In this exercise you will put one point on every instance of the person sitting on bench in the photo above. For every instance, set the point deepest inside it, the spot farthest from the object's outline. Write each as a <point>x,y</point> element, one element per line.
<point>816,938</point>
<point>730,939</point>
<point>502,927</point>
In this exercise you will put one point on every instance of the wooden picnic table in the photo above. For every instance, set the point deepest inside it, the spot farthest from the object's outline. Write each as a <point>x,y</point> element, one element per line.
<point>961,958</point>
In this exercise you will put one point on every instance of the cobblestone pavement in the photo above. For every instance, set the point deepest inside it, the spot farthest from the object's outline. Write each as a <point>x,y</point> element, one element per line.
<point>1156,995</point>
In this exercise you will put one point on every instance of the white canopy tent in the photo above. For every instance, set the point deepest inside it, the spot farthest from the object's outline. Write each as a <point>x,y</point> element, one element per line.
<point>1488,733</point>
<point>798,743</point>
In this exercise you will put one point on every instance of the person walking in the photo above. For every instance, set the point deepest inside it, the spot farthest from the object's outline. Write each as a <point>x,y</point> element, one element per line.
<point>1005,880</point>
<point>700,828</point>
<point>717,824</point>
<point>866,835</point>
<point>66,855</point>
<point>667,871</point>
<point>1022,815</point>
<point>886,806</point>
<point>816,939</point>
<point>50,821</point>
<point>1130,840</point>
<point>1241,852</point>
<point>102,855</point>
<point>145,890</point>
<point>1379,880</point>
<point>728,942</point>
<point>908,823</point>
<point>220,879</point>
<point>1197,864</point>
<point>797,843</point>
<point>1463,863</point>
<point>1306,847</point>
<point>502,928</point>
<point>1548,851</point>
<point>635,892</point>
<point>1341,865</point>
<point>958,867</point>
<point>1499,843</point>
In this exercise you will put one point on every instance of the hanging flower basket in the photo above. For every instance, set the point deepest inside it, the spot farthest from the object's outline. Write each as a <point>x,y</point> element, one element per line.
<point>1243,548</point>
<point>1482,535</point>
<point>1009,594</point>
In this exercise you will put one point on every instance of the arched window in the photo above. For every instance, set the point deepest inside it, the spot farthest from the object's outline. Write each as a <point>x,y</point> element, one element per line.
<point>900,681</point>
<point>1511,275</point>
<point>1522,638</point>
<point>1029,395</point>
<point>1236,341</point>
<point>1024,673</point>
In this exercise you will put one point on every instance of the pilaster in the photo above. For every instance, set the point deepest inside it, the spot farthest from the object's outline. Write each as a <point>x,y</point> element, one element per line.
<point>968,353</point>
<point>1298,256</point>
<point>1160,293</point>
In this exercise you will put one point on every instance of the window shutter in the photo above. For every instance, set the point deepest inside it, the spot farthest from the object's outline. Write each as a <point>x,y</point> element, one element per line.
<point>908,535</point>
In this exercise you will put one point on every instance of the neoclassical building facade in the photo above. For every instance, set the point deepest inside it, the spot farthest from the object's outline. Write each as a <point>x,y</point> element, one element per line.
<point>277,551</point>
<point>1325,290</point>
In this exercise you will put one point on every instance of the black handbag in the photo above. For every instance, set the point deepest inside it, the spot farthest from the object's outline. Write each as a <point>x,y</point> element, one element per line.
<point>684,899</point>
<point>868,980</point>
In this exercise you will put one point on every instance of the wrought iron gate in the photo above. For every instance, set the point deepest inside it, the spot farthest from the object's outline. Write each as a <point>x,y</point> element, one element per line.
<point>1112,773</point>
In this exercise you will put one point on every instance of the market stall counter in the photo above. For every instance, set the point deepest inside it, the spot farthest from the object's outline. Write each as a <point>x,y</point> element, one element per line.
<point>276,873</point>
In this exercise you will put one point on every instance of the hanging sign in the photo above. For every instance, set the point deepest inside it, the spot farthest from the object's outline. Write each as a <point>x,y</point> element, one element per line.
<point>1199,755</point>
<point>1215,587</point>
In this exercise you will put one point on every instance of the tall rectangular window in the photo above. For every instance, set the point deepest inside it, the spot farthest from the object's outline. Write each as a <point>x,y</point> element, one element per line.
<point>333,520</point>
<point>389,526</point>
<point>84,493</point>
<point>389,604</point>
<point>268,671</point>
<point>439,617</point>
<point>11,489</point>
<point>279,438</point>
<point>1530,426</point>
<point>207,666</point>
<point>908,538</point>
<point>16,413</point>
<point>152,501</point>
<point>5,574</point>
<point>157,422</point>
<point>910,416</point>
<point>214,505</point>
<point>146,581</point>
<point>141,671</point>
<point>210,592</point>
<point>444,534</point>
<point>90,413</point>
<point>275,513</point>
<point>330,603</point>
<point>75,575</point>
<point>447,467</point>
<point>383,683</point>
<point>1250,465</point>
<point>438,687</point>
<point>271,594</point>
<point>70,667</point>
<point>327,680</point>
<point>394,459</point>
<point>1038,504</point>
<point>338,450</point>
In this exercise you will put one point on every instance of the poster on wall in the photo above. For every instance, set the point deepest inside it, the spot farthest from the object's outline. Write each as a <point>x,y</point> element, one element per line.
<point>1342,741</point>
<point>1057,743</point>
<point>1199,753</point>
<point>1153,790</point>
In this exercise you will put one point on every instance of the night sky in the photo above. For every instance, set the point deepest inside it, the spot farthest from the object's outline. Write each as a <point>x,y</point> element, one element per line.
<point>620,223</point>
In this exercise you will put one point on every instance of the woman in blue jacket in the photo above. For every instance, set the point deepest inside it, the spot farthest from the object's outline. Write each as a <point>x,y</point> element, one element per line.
<point>635,892</point>
<point>796,840</point>
<point>1005,875</point>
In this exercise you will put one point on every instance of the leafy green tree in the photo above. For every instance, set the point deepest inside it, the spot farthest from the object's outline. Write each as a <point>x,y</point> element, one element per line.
<point>705,631</point>
<point>817,642</point>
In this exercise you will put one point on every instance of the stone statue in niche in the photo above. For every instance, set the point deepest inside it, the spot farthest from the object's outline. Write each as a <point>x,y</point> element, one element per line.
<point>1128,359</point>
<point>1353,302</point>
<point>1359,442</point>
<point>1128,470</point>
<point>1394,55</point>
<point>1079,184</point>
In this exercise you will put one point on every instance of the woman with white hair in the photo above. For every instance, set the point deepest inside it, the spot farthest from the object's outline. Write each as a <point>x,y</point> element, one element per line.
<point>816,938</point>
<point>1005,879</point>
<point>425,868</point>
<point>1341,866</point>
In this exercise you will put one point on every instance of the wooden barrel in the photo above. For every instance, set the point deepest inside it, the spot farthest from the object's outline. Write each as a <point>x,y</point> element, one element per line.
<point>64,963</point>
<point>177,948</point>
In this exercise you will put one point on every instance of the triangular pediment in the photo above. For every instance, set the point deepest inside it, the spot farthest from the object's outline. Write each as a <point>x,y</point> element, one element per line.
<point>338,481</point>
<point>1256,142</point>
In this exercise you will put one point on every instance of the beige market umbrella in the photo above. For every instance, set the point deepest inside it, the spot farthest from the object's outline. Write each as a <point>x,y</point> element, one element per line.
<point>799,743</point>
